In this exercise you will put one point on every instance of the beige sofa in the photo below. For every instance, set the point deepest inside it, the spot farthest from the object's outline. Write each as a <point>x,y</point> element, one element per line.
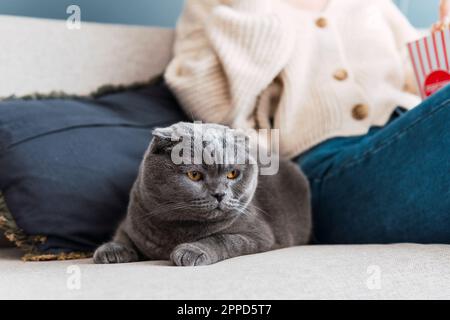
<point>44,56</point>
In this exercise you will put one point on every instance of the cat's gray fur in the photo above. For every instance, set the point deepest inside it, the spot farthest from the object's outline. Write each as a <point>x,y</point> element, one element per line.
<point>172,217</point>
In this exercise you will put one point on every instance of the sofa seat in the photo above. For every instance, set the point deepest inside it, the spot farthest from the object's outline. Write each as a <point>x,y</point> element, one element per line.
<point>402,271</point>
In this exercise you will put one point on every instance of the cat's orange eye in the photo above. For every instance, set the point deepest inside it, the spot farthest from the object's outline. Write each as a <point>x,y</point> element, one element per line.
<point>233,174</point>
<point>195,175</point>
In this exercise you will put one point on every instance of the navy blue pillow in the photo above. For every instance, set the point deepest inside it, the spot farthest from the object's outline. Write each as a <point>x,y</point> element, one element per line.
<point>67,165</point>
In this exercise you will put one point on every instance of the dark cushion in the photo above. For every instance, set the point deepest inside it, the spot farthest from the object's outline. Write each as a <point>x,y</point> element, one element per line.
<point>67,165</point>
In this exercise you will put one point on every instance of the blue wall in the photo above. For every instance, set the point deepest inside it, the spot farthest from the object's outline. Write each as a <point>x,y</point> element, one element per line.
<point>140,12</point>
<point>422,13</point>
<point>162,12</point>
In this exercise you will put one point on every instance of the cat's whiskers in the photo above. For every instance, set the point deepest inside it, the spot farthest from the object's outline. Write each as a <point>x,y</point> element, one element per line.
<point>200,203</point>
<point>164,208</point>
<point>258,209</point>
<point>240,207</point>
<point>242,211</point>
<point>247,207</point>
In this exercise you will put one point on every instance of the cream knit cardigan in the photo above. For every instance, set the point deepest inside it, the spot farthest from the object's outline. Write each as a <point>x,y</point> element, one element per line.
<point>265,64</point>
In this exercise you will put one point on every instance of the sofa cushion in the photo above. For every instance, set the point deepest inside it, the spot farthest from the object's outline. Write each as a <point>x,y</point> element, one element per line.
<point>42,55</point>
<point>67,165</point>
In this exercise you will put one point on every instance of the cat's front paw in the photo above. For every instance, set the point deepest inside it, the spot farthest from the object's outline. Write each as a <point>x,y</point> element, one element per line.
<point>190,255</point>
<point>113,252</point>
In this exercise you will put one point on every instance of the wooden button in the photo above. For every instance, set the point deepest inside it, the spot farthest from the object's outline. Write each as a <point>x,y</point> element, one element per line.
<point>321,22</point>
<point>360,111</point>
<point>341,75</point>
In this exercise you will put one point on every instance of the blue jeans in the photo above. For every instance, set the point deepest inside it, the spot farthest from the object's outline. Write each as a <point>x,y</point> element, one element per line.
<point>390,185</point>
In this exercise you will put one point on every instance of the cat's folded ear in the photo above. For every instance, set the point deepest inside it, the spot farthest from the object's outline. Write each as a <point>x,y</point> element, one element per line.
<point>163,140</point>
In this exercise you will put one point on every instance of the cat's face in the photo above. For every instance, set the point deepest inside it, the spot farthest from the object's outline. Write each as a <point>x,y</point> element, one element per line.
<point>196,192</point>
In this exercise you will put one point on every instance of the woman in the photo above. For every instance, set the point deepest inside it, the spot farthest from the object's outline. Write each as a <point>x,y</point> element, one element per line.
<point>335,78</point>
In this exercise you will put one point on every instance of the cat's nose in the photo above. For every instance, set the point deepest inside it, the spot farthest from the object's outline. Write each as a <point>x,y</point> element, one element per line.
<point>219,196</point>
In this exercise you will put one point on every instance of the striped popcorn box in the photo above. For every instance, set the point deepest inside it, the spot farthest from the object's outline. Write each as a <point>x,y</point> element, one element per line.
<point>430,58</point>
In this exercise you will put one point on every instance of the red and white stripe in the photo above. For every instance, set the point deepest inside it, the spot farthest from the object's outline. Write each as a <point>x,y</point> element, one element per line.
<point>430,54</point>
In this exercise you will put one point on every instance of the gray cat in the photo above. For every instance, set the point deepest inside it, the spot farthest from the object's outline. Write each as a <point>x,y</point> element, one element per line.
<point>197,214</point>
